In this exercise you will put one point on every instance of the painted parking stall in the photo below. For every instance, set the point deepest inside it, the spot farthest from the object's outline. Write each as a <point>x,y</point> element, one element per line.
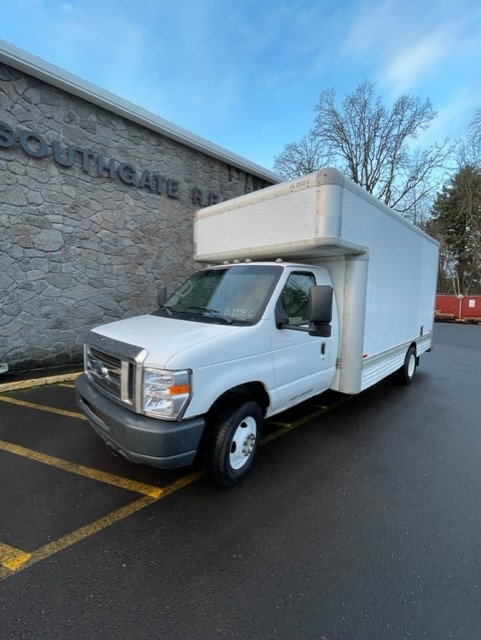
<point>69,485</point>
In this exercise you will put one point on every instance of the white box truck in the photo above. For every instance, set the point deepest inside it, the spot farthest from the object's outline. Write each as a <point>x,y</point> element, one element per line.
<point>311,285</point>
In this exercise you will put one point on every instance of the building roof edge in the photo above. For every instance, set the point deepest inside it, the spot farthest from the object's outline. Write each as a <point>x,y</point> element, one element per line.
<point>70,83</point>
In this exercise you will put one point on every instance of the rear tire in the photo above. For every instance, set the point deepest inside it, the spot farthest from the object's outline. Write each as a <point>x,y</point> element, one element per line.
<point>407,372</point>
<point>233,442</point>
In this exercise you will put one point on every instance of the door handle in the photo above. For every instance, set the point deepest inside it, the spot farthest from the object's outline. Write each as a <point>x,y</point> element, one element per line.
<point>323,349</point>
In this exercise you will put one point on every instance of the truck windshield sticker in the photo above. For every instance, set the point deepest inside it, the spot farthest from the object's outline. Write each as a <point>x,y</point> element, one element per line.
<point>240,314</point>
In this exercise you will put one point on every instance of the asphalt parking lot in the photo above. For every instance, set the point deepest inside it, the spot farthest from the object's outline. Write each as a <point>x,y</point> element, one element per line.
<point>78,486</point>
<point>361,520</point>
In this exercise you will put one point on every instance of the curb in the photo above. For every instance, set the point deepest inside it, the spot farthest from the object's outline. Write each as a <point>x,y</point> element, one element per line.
<point>38,382</point>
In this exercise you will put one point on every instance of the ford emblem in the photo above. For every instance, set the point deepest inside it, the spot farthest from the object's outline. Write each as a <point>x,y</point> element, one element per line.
<point>98,369</point>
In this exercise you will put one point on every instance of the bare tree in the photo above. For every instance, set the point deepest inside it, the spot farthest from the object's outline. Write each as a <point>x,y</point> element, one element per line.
<point>300,158</point>
<point>475,128</point>
<point>472,146</point>
<point>373,146</point>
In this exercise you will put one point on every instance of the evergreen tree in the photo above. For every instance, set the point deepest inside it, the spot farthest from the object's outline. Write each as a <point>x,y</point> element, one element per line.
<point>456,223</point>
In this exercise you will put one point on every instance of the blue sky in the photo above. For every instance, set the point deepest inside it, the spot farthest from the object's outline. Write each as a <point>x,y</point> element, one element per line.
<point>246,74</point>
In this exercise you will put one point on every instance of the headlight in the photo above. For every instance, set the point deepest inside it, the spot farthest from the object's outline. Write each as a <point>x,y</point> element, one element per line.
<point>166,393</point>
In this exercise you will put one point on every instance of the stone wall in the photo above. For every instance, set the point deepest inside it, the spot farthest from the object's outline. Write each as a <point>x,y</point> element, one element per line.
<point>95,215</point>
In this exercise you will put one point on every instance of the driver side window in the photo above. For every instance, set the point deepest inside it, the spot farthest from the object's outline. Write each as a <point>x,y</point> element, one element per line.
<point>295,294</point>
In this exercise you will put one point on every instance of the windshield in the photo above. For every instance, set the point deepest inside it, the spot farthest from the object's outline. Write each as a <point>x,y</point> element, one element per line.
<point>231,294</point>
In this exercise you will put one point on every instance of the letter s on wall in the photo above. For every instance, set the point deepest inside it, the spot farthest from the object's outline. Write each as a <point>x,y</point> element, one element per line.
<point>6,136</point>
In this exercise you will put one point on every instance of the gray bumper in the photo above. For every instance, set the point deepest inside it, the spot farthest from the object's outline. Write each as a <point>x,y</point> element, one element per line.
<point>158,443</point>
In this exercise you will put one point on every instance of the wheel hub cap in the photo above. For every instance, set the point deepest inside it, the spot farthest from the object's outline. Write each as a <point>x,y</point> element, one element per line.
<point>243,443</point>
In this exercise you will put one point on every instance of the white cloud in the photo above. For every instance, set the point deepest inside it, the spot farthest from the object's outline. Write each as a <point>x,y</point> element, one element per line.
<point>454,116</point>
<point>367,29</point>
<point>414,62</point>
<point>104,44</point>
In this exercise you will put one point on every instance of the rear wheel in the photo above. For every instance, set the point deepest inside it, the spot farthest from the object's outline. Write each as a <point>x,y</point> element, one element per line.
<point>233,442</point>
<point>407,372</point>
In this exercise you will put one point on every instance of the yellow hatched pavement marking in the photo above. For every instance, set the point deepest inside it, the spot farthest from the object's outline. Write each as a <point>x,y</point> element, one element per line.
<point>42,407</point>
<point>11,558</point>
<point>15,560</point>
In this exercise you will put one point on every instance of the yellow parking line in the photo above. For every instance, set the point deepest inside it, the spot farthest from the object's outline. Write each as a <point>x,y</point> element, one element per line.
<point>12,558</point>
<point>275,434</point>
<point>84,532</point>
<point>42,407</point>
<point>289,426</point>
<point>81,470</point>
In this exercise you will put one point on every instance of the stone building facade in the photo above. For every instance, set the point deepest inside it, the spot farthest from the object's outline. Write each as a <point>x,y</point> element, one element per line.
<point>96,206</point>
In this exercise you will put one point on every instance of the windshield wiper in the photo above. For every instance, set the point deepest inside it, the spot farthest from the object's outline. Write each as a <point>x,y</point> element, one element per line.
<point>166,308</point>
<point>212,312</point>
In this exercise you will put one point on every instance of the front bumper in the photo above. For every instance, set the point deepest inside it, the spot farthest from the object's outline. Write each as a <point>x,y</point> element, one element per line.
<point>158,443</point>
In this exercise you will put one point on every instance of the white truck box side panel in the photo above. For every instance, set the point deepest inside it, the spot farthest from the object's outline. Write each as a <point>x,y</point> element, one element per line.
<point>401,274</point>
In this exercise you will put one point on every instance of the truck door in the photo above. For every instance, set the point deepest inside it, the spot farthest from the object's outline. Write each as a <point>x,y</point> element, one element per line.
<point>302,363</point>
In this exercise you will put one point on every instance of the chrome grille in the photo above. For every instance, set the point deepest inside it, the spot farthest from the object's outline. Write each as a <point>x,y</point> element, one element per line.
<point>115,368</point>
<point>105,371</point>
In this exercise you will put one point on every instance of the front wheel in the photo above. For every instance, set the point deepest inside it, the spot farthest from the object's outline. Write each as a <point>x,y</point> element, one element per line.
<point>233,443</point>
<point>407,372</point>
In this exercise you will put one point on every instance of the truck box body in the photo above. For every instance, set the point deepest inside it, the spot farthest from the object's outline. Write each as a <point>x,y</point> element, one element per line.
<point>384,269</point>
<point>311,285</point>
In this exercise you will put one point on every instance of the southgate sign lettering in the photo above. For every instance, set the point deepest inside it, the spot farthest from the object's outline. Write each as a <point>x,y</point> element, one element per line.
<point>36,145</point>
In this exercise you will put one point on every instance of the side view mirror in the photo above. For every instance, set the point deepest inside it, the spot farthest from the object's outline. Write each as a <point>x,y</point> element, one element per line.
<point>319,310</point>
<point>162,296</point>
<point>282,319</point>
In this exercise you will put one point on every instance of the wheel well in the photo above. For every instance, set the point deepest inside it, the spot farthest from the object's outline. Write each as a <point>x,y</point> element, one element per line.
<point>242,393</point>
<point>414,346</point>
<point>248,391</point>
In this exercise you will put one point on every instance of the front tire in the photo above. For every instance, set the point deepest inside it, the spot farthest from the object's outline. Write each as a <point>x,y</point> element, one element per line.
<point>234,440</point>
<point>407,372</point>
